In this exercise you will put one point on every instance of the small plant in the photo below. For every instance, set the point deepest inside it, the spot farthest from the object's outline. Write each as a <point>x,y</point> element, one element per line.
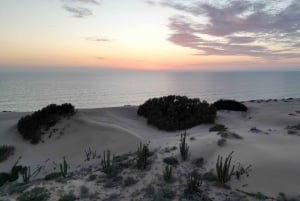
<point>193,183</point>
<point>64,168</point>
<point>142,156</point>
<point>69,197</point>
<point>241,170</point>
<point>36,194</point>
<point>171,161</point>
<point>218,127</point>
<point>230,105</point>
<point>184,148</point>
<point>6,151</point>
<point>168,173</point>
<point>209,176</point>
<point>221,142</point>
<point>89,154</point>
<point>26,174</point>
<point>224,169</point>
<point>129,181</point>
<point>53,175</point>
<point>107,163</point>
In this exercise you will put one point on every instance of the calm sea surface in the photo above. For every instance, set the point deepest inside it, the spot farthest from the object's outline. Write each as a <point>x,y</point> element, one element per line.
<point>27,91</point>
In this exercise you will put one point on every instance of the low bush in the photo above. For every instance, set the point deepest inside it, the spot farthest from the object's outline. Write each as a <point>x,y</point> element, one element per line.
<point>171,161</point>
<point>217,127</point>
<point>142,156</point>
<point>69,197</point>
<point>6,151</point>
<point>53,175</point>
<point>230,105</point>
<point>30,126</point>
<point>172,112</point>
<point>168,173</point>
<point>36,194</point>
<point>129,181</point>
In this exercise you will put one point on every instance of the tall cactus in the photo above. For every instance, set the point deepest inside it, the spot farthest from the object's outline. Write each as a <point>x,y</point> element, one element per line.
<point>107,163</point>
<point>142,156</point>
<point>64,168</point>
<point>224,170</point>
<point>168,173</point>
<point>184,148</point>
<point>26,174</point>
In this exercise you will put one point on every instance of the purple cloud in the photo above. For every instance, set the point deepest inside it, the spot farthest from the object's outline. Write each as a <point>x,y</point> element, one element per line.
<point>242,27</point>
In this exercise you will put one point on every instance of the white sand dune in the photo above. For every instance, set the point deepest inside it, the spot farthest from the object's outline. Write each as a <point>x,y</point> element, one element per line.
<point>273,154</point>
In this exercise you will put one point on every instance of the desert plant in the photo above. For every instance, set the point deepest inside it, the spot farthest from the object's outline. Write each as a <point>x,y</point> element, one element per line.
<point>89,154</point>
<point>224,169</point>
<point>142,156</point>
<point>241,170</point>
<point>53,175</point>
<point>184,148</point>
<point>171,161</point>
<point>64,167</point>
<point>6,151</point>
<point>168,173</point>
<point>176,112</point>
<point>129,181</point>
<point>69,197</point>
<point>217,127</point>
<point>230,105</point>
<point>193,183</point>
<point>26,174</point>
<point>107,163</point>
<point>36,194</point>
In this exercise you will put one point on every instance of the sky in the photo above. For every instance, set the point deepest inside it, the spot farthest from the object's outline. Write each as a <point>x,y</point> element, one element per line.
<point>151,34</point>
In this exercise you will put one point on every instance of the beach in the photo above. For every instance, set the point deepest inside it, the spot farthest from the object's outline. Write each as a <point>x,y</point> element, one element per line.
<point>267,144</point>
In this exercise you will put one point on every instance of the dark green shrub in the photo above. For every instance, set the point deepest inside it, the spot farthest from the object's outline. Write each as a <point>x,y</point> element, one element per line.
<point>230,105</point>
<point>30,126</point>
<point>217,127</point>
<point>107,163</point>
<point>36,194</point>
<point>6,151</point>
<point>69,197</point>
<point>171,161</point>
<point>4,177</point>
<point>176,112</point>
<point>64,168</point>
<point>53,175</point>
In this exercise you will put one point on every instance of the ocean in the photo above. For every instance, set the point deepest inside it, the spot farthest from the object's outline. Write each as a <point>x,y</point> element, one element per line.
<point>29,91</point>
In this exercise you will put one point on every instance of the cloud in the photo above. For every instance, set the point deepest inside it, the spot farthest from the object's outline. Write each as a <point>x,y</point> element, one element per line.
<point>78,12</point>
<point>98,39</point>
<point>240,27</point>
<point>82,1</point>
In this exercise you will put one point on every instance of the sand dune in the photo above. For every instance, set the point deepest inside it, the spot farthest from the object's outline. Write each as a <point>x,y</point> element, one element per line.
<point>273,153</point>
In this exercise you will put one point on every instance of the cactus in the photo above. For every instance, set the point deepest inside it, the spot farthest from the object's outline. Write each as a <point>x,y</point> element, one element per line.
<point>26,174</point>
<point>224,170</point>
<point>168,173</point>
<point>64,168</point>
<point>184,148</point>
<point>107,163</point>
<point>142,156</point>
<point>193,183</point>
<point>90,154</point>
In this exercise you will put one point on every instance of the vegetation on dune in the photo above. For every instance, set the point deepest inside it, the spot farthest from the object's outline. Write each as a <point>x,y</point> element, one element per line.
<point>176,112</point>
<point>143,154</point>
<point>230,105</point>
<point>30,126</point>
<point>6,151</point>
<point>184,148</point>
<point>217,127</point>
<point>36,194</point>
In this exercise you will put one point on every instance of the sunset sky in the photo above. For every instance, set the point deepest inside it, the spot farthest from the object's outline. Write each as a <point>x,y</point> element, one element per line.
<point>151,34</point>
